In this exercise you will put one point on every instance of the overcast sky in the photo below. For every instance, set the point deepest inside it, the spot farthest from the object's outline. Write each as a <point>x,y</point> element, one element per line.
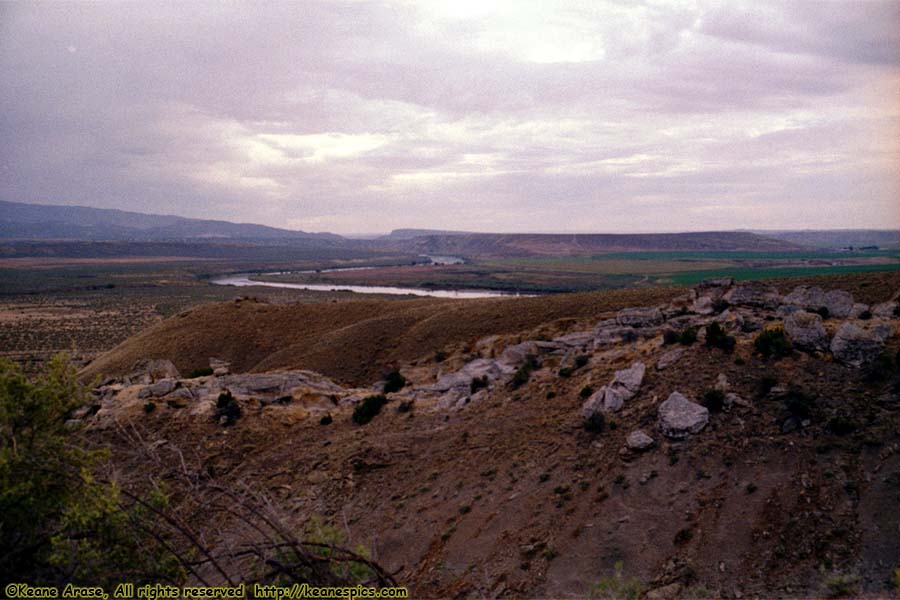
<point>460,114</point>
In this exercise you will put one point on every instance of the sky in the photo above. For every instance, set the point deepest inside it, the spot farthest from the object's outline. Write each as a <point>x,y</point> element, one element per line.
<point>362,117</point>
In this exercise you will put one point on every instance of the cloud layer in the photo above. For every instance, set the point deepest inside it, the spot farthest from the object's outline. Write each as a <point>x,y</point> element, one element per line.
<point>487,116</point>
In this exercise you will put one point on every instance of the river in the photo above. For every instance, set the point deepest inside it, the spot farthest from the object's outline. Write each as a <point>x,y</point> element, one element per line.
<point>243,280</point>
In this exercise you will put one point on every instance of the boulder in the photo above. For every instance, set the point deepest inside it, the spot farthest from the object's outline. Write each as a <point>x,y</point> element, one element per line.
<point>614,335</point>
<point>157,389</point>
<point>612,397</point>
<point>606,399</point>
<point>680,418</point>
<point>805,297</point>
<point>669,357</point>
<point>638,440</point>
<point>630,378</point>
<point>884,310</point>
<point>806,331</point>
<point>839,303</point>
<point>753,293</point>
<point>854,345</point>
<point>220,367</point>
<point>639,317</point>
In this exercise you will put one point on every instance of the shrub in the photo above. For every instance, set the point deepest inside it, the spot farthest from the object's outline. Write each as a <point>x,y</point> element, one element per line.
<point>840,586</point>
<point>595,423</point>
<point>717,338</point>
<point>720,305</point>
<point>366,410</point>
<point>478,383</point>
<point>406,406</point>
<point>581,360</point>
<point>523,373</point>
<point>201,372</point>
<point>688,336</point>
<point>865,315</point>
<point>897,310</point>
<point>739,360</point>
<point>227,409</point>
<point>799,404</point>
<point>551,395</point>
<point>394,382</point>
<point>841,425</point>
<point>326,419</point>
<point>149,407</point>
<point>713,399</point>
<point>586,391</point>
<point>670,337</point>
<point>59,523</point>
<point>617,587</point>
<point>751,488</point>
<point>565,372</point>
<point>440,356</point>
<point>882,367</point>
<point>683,536</point>
<point>773,342</point>
<point>765,385</point>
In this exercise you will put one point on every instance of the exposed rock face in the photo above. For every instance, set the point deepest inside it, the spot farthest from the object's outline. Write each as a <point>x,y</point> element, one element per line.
<point>160,388</point>
<point>854,346</point>
<point>703,305</point>
<point>152,369</point>
<point>220,367</point>
<point>639,317</point>
<point>680,418</point>
<point>753,293</point>
<point>714,288</point>
<point>462,379</point>
<point>513,356</point>
<point>806,331</point>
<point>607,333</point>
<point>638,440</point>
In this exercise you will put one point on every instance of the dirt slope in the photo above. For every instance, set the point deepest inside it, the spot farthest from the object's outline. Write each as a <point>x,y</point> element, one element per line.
<point>354,341</point>
<point>349,341</point>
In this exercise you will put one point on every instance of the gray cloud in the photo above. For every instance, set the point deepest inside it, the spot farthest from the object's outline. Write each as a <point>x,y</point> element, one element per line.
<point>348,116</point>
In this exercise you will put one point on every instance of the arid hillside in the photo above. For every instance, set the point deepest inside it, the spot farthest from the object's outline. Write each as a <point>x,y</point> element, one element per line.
<point>354,342</point>
<point>733,440</point>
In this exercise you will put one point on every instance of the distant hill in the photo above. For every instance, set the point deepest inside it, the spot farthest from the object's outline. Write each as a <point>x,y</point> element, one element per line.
<point>39,221</point>
<point>408,234</point>
<point>839,238</point>
<point>528,244</point>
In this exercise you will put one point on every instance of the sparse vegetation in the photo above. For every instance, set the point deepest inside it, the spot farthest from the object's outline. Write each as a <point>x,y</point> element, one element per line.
<point>228,411</point>
<point>595,423</point>
<point>842,585</point>
<point>581,360</point>
<point>617,586</point>
<point>201,372</point>
<point>717,338</point>
<point>773,343</point>
<point>478,383</point>
<point>523,373</point>
<point>366,410</point>
<point>586,391</point>
<point>713,399</point>
<point>394,382</point>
